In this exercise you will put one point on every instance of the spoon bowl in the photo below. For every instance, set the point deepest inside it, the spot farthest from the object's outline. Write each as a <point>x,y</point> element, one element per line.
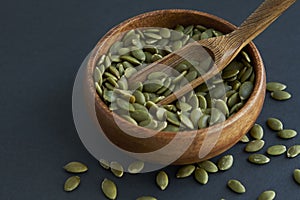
<point>187,146</point>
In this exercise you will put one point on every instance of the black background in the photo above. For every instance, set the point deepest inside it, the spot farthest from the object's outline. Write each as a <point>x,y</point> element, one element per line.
<point>42,46</point>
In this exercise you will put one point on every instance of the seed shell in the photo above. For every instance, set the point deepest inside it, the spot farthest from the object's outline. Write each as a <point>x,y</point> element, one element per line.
<point>162,180</point>
<point>71,183</point>
<point>236,186</point>
<point>267,195</point>
<point>109,189</point>
<point>75,167</point>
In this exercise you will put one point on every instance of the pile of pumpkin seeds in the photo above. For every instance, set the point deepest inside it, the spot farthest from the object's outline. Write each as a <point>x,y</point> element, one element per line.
<point>210,103</point>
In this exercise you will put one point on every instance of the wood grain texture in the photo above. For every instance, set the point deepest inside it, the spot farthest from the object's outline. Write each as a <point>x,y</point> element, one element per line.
<point>213,140</point>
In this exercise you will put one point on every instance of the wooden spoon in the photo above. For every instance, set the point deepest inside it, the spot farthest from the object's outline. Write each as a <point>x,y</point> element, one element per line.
<point>223,49</point>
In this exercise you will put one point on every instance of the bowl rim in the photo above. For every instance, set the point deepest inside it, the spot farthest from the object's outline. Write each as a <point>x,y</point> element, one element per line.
<point>99,104</point>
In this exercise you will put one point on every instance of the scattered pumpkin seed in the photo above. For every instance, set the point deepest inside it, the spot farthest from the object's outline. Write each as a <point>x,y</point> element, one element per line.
<point>258,159</point>
<point>146,198</point>
<point>71,183</point>
<point>236,186</point>
<point>104,163</point>
<point>75,167</point>
<point>117,169</point>
<point>276,150</point>
<point>274,124</point>
<point>297,175</point>
<point>208,166</point>
<point>287,133</point>
<point>201,175</point>
<point>244,139</point>
<point>274,86</point>
<point>136,167</point>
<point>109,189</point>
<point>257,132</point>
<point>254,145</point>
<point>280,95</point>
<point>293,151</point>
<point>267,195</point>
<point>185,171</point>
<point>162,180</point>
<point>225,162</point>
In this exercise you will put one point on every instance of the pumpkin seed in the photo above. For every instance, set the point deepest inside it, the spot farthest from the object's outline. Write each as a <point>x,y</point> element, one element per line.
<point>274,86</point>
<point>254,145</point>
<point>139,54</point>
<point>153,36</point>
<point>244,139</point>
<point>225,162</point>
<point>245,90</point>
<point>287,133</point>
<point>258,159</point>
<point>280,95</point>
<point>233,99</point>
<point>162,180</point>
<point>247,74</point>
<point>276,150</point>
<point>146,198</point>
<point>129,119</point>
<point>267,195</point>
<point>125,105</point>
<point>185,171</point>
<point>176,45</point>
<point>152,85</point>
<point>139,97</point>
<point>236,186</point>
<point>98,89</point>
<point>208,166</point>
<point>75,167</point>
<point>117,169</point>
<point>274,124</point>
<point>201,175</point>
<point>293,151</point>
<point>297,175</point>
<point>101,60</point>
<point>136,167</point>
<point>172,118</point>
<point>195,116</point>
<point>186,121</point>
<point>71,183</point>
<point>222,106</point>
<point>104,163</point>
<point>109,189</point>
<point>203,121</point>
<point>257,132</point>
<point>230,73</point>
<point>129,72</point>
<point>140,115</point>
<point>165,33</point>
<point>130,59</point>
<point>246,56</point>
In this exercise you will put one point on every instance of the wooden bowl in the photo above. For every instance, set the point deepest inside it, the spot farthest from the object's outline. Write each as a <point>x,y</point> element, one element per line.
<point>176,147</point>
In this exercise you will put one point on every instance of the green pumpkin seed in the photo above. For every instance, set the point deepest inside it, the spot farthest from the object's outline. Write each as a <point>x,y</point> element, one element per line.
<point>98,89</point>
<point>287,133</point>
<point>171,128</point>
<point>139,97</point>
<point>117,169</point>
<point>157,75</point>
<point>257,132</point>
<point>225,162</point>
<point>236,186</point>
<point>172,118</point>
<point>104,163</point>
<point>267,195</point>
<point>201,175</point>
<point>195,116</point>
<point>203,121</point>
<point>130,59</point>
<point>125,105</point>
<point>186,121</point>
<point>127,65</point>
<point>98,76</point>
<point>276,150</point>
<point>222,106</point>
<point>215,115</point>
<point>233,100</point>
<point>274,86</point>
<point>109,189</point>
<point>129,119</point>
<point>191,76</point>
<point>202,101</point>
<point>176,45</point>
<point>293,151</point>
<point>247,74</point>
<point>123,51</point>
<point>75,167</point>
<point>101,60</point>
<point>129,72</point>
<point>244,139</point>
<point>71,183</point>
<point>254,145</point>
<point>275,124</point>
<point>153,36</point>
<point>258,159</point>
<point>165,33</point>
<point>162,180</point>
<point>139,54</point>
<point>280,95</point>
<point>152,85</point>
<point>146,198</point>
<point>139,115</point>
<point>136,167</point>
<point>175,35</point>
<point>183,106</point>
<point>245,90</point>
<point>208,166</point>
<point>185,171</point>
<point>246,56</point>
<point>230,73</point>
<point>297,175</point>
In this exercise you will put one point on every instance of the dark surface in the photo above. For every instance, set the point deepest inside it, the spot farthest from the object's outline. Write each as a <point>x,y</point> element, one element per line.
<point>42,46</point>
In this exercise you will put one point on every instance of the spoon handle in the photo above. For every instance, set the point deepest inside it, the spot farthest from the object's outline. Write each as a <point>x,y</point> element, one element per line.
<point>259,20</point>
